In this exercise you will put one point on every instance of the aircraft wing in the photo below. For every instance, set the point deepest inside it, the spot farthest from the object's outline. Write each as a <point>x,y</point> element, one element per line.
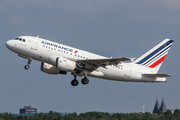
<point>93,64</point>
<point>157,75</point>
<point>104,62</point>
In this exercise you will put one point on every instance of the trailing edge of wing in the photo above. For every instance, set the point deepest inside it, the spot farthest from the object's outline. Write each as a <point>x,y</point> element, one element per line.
<point>157,75</point>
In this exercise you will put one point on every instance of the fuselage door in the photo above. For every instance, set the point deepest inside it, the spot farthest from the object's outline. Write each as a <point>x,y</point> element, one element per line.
<point>128,71</point>
<point>34,44</point>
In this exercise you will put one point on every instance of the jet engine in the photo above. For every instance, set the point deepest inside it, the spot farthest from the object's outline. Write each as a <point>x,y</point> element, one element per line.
<point>50,69</point>
<point>65,64</point>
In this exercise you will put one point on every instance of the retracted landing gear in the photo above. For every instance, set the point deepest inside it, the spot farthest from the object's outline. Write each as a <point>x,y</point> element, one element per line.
<point>74,82</point>
<point>29,62</point>
<point>85,81</point>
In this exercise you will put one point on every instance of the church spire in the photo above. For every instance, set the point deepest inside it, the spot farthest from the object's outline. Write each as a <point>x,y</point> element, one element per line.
<point>163,107</point>
<point>156,107</point>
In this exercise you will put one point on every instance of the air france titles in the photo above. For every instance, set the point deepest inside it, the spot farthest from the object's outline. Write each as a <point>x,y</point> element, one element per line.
<point>57,46</point>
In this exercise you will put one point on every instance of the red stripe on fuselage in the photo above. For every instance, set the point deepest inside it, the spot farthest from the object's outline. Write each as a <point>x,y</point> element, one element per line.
<point>157,62</point>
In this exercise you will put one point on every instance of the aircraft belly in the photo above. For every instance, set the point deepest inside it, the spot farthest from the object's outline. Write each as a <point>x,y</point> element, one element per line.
<point>119,75</point>
<point>113,74</point>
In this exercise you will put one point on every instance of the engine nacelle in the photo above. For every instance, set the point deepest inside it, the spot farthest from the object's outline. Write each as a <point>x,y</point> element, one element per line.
<point>50,69</point>
<point>65,64</point>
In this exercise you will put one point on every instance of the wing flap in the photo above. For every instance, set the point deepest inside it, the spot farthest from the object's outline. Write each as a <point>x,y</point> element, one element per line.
<point>157,75</point>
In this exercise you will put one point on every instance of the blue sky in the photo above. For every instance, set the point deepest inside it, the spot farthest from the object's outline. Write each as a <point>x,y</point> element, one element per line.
<point>117,28</point>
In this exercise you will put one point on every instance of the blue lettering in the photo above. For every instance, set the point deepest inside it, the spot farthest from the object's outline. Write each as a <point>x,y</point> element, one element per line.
<point>51,44</point>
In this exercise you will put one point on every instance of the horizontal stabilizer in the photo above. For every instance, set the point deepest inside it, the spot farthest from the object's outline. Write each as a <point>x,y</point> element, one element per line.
<point>156,75</point>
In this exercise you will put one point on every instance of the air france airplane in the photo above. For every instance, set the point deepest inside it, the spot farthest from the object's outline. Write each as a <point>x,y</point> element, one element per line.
<point>57,58</point>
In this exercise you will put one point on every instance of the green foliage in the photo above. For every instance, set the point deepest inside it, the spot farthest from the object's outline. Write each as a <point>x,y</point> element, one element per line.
<point>95,116</point>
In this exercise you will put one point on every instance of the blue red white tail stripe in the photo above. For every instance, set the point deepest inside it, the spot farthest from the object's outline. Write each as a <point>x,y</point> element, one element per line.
<point>156,55</point>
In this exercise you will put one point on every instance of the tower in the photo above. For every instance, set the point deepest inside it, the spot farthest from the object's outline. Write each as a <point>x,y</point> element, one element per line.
<point>156,107</point>
<point>163,107</point>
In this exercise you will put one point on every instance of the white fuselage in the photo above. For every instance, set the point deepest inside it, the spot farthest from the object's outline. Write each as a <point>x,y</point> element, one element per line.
<point>42,50</point>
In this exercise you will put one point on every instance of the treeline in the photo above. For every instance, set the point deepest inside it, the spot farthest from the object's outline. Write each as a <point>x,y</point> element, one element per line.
<point>96,116</point>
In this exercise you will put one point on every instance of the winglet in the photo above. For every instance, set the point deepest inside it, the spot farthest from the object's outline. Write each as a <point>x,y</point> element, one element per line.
<point>132,59</point>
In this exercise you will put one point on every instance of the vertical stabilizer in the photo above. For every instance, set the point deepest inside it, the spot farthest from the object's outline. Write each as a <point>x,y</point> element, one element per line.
<point>155,57</point>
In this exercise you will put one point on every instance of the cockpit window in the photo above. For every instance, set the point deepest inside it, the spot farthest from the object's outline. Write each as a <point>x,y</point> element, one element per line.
<point>20,39</point>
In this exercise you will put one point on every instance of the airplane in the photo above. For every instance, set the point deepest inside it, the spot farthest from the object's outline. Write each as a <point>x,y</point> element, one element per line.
<point>57,59</point>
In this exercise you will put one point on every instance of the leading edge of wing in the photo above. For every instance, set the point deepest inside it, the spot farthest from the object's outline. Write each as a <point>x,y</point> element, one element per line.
<point>102,62</point>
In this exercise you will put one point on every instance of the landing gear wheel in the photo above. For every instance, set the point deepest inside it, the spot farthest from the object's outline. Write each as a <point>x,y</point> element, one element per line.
<point>26,67</point>
<point>85,81</point>
<point>74,82</point>
<point>29,62</point>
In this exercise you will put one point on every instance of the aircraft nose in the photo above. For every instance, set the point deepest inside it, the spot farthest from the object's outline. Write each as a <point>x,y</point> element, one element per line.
<point>7,44</point>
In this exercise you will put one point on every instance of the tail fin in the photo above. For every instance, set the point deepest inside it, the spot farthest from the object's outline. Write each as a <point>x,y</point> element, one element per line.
<point>155,57</point>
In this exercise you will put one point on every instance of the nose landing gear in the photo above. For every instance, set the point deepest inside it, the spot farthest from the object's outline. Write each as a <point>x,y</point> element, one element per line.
<point>29,62</point>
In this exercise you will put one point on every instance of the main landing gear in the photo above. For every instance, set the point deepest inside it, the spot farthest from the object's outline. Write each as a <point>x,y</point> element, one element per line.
<point>74,82</point>
<point>29,62</point>
<point>84,81</point>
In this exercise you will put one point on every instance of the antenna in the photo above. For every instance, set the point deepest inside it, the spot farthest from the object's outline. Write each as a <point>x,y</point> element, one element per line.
<point>143,107</point>
<point>172,110</point>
